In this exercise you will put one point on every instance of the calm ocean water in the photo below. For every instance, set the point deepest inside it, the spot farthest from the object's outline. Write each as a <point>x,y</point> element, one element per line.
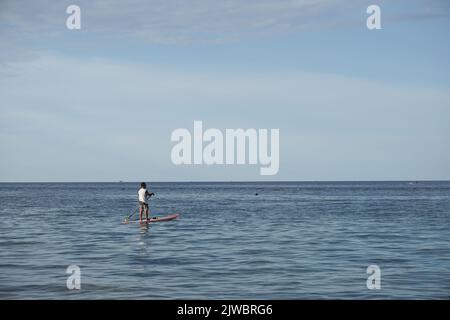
<point>291,241</point>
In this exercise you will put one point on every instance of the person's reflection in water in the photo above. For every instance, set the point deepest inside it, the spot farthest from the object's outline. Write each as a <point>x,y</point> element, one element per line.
<point>143,237</point>
<point>143,251</point>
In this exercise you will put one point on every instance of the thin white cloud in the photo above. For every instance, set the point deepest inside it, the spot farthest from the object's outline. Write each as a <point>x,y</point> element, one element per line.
<point>29,25</point>
<point>167,21</point>
<point>181,21</point>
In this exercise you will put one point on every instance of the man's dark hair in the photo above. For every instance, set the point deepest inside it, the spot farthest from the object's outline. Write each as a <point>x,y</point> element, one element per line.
<point>143,185</point>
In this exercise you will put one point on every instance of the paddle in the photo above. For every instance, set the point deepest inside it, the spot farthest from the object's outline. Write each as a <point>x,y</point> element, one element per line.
<point>132,214</point>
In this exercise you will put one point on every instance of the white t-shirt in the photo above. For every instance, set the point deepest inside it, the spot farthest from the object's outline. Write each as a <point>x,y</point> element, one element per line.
<point>142,192</point>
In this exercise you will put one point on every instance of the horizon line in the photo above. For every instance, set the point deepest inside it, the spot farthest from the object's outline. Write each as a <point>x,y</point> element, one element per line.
<point>231,181</point>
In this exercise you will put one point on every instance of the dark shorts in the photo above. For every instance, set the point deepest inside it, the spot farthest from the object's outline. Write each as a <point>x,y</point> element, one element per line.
<point>143,205</point>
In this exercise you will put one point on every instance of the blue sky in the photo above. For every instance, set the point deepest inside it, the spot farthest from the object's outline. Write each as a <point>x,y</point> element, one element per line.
<point>99,104</point>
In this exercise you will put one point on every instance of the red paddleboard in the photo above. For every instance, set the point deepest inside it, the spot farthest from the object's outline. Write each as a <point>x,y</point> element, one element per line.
<point>155,219</point>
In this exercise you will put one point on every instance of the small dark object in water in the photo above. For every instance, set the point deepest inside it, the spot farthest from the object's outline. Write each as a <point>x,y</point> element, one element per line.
<point>256,194</point>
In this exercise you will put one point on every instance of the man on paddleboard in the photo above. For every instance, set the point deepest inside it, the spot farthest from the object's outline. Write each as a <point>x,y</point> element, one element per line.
<point>143,203</point>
